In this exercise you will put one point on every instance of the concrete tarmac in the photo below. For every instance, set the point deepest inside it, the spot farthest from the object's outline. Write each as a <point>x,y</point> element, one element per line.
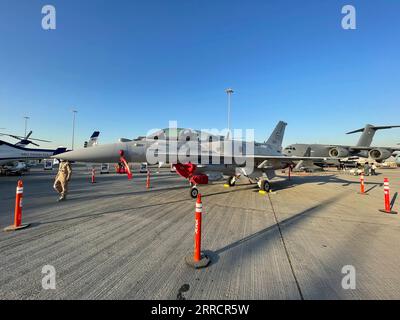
<point>117,240</point>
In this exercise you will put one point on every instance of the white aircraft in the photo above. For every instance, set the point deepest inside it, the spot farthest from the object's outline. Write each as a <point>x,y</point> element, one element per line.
<point>14,157</point>
<point>266,158</point>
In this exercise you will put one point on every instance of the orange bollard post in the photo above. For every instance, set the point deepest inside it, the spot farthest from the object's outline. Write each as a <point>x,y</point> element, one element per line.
<point>148,179</point>
<point>362,185</point>
<point>198,259</point>
<point>18,209</point>
<point>93,175</point>
<point>290,171</point>
<point>386,191</point>
<point>197,230</point>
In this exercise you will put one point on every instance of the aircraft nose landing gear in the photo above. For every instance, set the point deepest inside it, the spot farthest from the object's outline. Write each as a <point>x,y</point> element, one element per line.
<point>194,192</point>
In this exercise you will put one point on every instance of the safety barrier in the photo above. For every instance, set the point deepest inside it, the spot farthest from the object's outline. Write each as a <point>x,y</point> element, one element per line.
<point>198,259</point>
<point>93,175</point>
<point>148,179</point>
<point>362,184</point>
<point>386,191</point>
<point>18,209</point>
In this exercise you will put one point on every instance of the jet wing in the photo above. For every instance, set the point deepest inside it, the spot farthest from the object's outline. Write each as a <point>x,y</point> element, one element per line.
<point>355,148</point>
<point>283,159</point>
<point>265,159</point>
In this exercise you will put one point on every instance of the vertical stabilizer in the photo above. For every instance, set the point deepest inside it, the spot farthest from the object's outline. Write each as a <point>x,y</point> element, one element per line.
<point>368,133</point>
<point>93,140</point>
<point>276,137</point>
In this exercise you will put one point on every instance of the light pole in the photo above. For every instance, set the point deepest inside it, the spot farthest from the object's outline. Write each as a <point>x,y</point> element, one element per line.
<point>229,92</point>
<point>26,124</point>
<point>73,128</point>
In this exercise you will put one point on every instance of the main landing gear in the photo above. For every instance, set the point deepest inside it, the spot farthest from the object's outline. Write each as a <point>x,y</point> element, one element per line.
<point>232,181</point>
<point>264,185</point>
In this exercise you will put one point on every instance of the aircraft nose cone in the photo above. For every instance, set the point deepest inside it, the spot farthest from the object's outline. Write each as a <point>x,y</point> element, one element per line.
<point>98,154</point>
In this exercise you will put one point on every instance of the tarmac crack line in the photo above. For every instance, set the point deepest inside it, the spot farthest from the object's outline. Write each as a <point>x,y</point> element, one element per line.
<point>286,249</point>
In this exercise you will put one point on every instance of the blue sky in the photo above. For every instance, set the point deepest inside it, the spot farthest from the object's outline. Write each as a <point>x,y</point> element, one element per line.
<point>130,66</point>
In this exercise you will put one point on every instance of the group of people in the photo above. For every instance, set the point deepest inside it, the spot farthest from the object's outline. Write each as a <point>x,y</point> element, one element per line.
<point>367,169</point>
<point>370,169</point>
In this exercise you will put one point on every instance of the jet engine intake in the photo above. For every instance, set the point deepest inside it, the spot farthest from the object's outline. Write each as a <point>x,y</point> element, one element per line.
<point>339,152</point>
<point>379,154</point>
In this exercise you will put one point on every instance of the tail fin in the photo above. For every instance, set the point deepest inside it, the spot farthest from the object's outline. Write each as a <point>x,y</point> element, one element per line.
<point>93,140</point>
<point>368,133</point>
<point>308,152</point>
<point>276,137</point>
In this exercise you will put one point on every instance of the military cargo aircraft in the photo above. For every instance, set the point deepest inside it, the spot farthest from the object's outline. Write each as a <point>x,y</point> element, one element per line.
<point>363,148</point>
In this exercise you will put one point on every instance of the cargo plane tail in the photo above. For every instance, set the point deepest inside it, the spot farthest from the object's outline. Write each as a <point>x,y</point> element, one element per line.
<point>368,133</point>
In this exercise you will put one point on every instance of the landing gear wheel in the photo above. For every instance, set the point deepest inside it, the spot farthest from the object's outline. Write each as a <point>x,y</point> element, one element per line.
<point>194,192</point>
<point>265,186</point>
<point>231,181</point>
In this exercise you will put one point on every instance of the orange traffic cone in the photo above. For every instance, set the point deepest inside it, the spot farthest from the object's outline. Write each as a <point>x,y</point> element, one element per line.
<point>386,190</point>
<point>197,259</point>
<point>148,180</point>
<point>18,209</point>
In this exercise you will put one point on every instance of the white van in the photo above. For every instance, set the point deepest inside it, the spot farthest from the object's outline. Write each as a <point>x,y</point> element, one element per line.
<point>143,167</point>
<point>105,168</point>
<point>48,164</point>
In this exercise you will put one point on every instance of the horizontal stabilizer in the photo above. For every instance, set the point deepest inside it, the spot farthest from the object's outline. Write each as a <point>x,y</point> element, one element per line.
<point>374,128</point>
<point>368,133</point>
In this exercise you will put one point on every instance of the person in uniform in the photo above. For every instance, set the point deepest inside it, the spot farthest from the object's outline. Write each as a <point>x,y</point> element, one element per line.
<point>62,178</point>
<point>367,169</point>
<point>373,169</point>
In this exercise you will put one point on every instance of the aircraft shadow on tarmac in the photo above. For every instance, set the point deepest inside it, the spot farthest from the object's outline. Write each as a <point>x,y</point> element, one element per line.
<point>122,194</point>
<point>263,237</point>
<point>98,214</point>
<point>135,208</point>
<point>320,180</point>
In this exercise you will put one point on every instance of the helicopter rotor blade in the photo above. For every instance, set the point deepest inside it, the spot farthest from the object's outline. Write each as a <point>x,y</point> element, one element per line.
<point>39,140</point>
<point>35,144</point>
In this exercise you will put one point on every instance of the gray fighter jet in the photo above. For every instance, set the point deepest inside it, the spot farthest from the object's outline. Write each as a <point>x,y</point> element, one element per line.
<point>363,148</point>
<point>200,161</point>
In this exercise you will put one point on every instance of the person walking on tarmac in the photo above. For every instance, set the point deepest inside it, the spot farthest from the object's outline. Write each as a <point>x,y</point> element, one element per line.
<point>62,178</point>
